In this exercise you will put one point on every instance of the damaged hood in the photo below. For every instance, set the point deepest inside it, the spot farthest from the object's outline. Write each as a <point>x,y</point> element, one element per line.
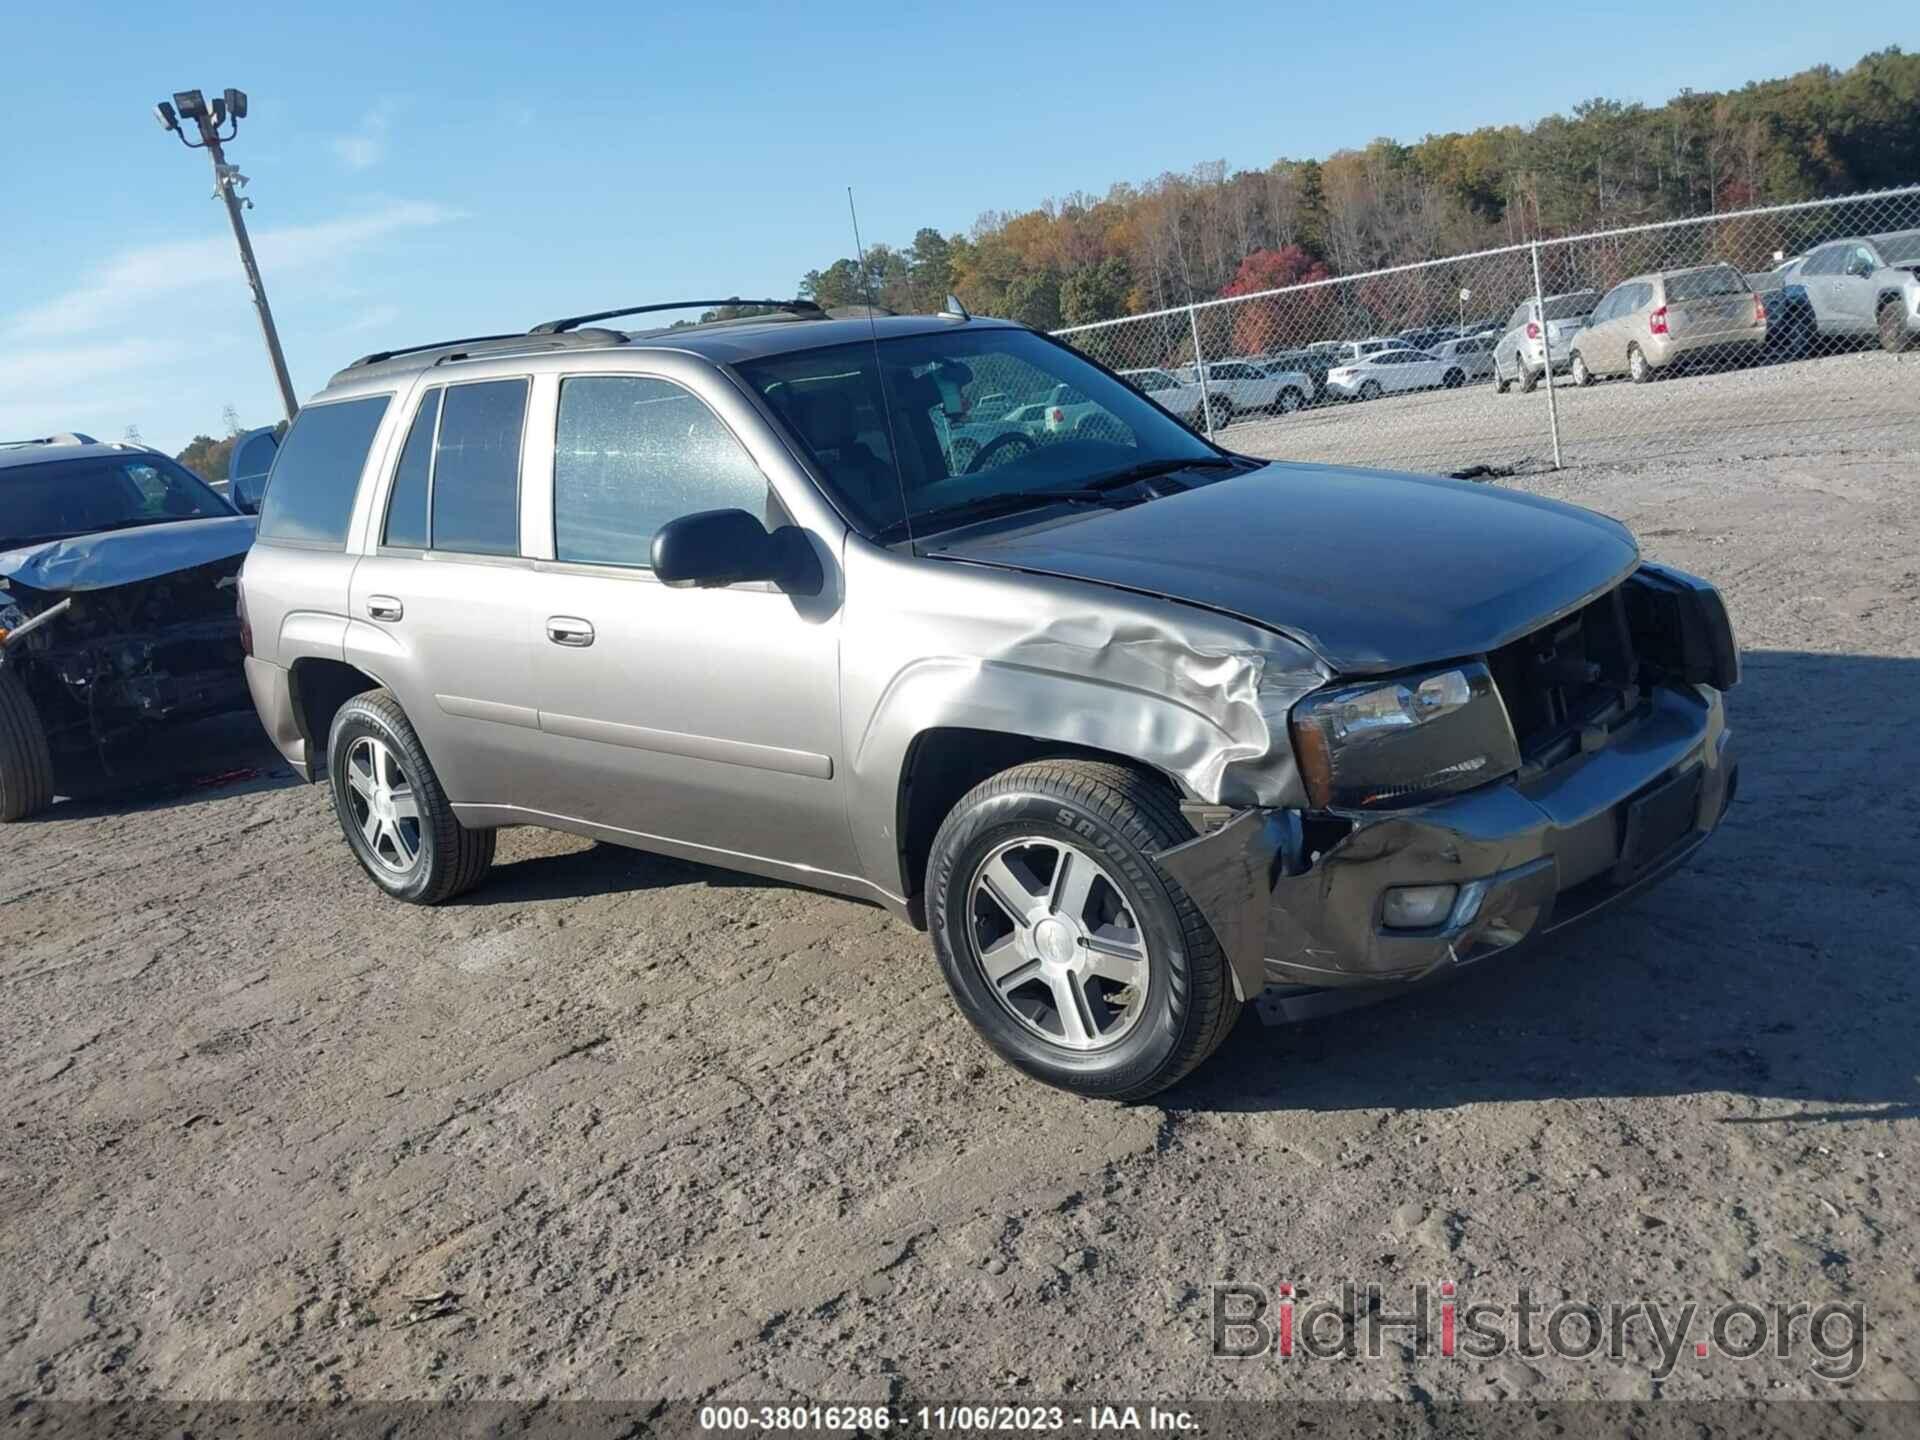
<point>123,557</point>
<point>1372,570</point>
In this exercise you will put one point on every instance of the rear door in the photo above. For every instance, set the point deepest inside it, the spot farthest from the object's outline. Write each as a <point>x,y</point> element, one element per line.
<point>439,599</point>
<point>1603,343</point>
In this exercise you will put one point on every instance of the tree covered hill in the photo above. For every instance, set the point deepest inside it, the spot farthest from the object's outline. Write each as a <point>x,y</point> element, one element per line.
<point>1212,231</point>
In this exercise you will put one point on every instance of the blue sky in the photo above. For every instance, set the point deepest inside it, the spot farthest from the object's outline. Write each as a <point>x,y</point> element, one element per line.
<point>428,171</point>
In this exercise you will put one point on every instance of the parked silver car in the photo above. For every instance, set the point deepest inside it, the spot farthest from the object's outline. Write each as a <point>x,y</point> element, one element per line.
<point>1467,358</point>
<point>1520,356</point>
<point>1864,287</point>
<point>1651,323</point>
<point>1137,728</point>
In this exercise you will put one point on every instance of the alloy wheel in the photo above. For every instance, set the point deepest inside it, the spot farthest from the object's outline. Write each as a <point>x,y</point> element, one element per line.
<point>383,804</point>
<point>1058,943</point>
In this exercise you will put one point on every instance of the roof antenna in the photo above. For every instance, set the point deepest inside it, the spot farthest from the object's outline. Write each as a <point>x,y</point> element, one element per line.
<point>879,375</point>
<point>954,310</point>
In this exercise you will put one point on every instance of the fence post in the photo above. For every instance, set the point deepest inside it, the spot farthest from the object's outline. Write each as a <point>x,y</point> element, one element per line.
<point>1200,368</point>
<point>1546,349</point>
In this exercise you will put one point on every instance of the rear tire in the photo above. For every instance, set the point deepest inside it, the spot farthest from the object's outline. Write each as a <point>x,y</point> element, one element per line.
<point>1370,390</point>
<point>1122,1043</point>
<point>1529,378</point>
<point>1290,400</point>
<point>1637,365</point>
<point>396,818</point>
<point>1222,411</point>
<point>1894,335</point>
<point>1581,375</point>
<point>1454,379</point>
<point>26,764</point>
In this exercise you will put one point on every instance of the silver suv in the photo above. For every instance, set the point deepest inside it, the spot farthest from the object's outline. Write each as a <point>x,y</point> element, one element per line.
<point>1137,728</point>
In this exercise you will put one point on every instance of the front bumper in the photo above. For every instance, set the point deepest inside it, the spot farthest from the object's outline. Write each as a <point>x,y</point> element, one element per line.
<point>1530,856</point>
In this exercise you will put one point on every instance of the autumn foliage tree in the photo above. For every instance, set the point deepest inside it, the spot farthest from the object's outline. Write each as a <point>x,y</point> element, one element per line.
<point>1261,329</point>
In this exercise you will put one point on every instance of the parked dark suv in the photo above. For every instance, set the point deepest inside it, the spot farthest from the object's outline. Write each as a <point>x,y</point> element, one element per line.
<point>1135,727</point>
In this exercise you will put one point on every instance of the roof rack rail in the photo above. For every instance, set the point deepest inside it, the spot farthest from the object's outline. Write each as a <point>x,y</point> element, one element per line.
<point>557,327</point>
<point>377,356</point>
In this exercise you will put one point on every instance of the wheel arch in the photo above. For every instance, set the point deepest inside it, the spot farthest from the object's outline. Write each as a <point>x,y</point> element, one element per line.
<point>319,687</point>
<point>944,762</point>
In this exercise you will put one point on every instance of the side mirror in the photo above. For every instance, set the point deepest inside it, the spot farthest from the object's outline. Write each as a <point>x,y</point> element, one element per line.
<point>714,548</point>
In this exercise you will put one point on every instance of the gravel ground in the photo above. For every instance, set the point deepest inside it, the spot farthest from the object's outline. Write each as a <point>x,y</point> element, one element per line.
<point>636,1128</point>
<point>1806,408</point>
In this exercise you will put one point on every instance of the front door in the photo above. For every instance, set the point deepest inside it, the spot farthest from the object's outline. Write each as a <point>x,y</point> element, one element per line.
<point>708,718</point>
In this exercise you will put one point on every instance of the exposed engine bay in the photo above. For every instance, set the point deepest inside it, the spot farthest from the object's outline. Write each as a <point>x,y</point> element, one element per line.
<point>104,666</point>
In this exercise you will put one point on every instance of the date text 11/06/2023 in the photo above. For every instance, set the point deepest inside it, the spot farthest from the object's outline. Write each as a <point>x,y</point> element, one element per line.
<point>1095,1419</point>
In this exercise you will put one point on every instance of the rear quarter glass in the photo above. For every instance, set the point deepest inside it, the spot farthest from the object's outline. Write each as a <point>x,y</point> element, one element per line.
<point>316,474</point>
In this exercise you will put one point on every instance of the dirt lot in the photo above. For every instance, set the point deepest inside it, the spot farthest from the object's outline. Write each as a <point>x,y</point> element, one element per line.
<point>1806,408</point>
<point>666,1131</point>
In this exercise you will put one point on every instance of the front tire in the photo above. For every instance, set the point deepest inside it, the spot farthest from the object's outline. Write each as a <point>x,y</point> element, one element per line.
<point>1221,409</point>
<point>396,818</point>
<point>1290,400</point>
<point>1454,379</point>
<point>1894,335</point>
<point>1070,951</point>
<point>26,764</point>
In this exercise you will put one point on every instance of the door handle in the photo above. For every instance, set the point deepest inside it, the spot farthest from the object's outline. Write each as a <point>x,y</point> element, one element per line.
<point>569,630</point>
<point>385,607</point>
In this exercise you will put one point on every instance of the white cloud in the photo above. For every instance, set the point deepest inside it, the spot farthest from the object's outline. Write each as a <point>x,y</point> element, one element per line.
<point>366,145</point>
<point>151,271</point>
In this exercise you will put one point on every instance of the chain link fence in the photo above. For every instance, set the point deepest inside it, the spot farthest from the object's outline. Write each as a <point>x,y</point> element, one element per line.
<point>1780,330</point>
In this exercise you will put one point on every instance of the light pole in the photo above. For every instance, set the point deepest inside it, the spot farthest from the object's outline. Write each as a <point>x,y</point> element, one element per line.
<point>229,109</point>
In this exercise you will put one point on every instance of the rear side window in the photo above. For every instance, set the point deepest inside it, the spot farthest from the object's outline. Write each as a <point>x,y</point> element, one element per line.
<point>316,473</point>
<point>407,505</point>
<point>631,453</point>
<point>476,468</point>
<point>1703,284</point>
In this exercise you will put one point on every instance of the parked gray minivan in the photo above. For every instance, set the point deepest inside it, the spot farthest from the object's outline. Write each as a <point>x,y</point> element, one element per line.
<point>1137,728</point>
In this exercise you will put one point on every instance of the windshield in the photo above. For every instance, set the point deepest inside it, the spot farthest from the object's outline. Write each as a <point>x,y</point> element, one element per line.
<point>1066,426</point>
<point>63,498</point>
<point>1901,249</point>
<point>1704,284</point>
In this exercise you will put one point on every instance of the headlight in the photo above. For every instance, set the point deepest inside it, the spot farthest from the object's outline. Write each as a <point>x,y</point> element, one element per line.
<point>1403,741</point>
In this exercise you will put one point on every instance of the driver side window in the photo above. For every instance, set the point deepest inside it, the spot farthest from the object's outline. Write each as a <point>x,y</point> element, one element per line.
<point>631,453</point>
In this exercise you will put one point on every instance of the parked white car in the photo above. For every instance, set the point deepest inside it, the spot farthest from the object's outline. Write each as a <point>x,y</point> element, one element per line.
<point>1387,372</point>
<point>1242,386</point>
<point>1350,351</point>
<point>1521,356</point>
<point>1180,396</point>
